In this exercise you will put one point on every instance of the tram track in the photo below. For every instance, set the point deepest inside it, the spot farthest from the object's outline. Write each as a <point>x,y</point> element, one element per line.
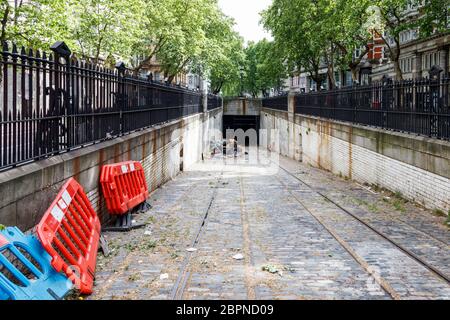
<point>375,262</point>
<point>184,275</point>
<point>381,282</point>
<point>410,225</point>
<point>129,257</point>
<point>400,247</point>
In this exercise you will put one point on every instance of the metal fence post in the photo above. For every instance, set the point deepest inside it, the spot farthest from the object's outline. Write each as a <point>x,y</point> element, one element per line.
<point>354,105</point>
<point>61,98</point>
<point>435,77</point>
<point>120,95</point>
<point>386,81</point>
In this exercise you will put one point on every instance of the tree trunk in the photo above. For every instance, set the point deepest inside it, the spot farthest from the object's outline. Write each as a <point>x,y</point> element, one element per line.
<point>331,78</point>
<point>398,70</point>
<point>97,53</point>
<point>4,23</point>
<point>170,79</point>
<point>355,76</point>
<point>3,34</point>
<point>318,78</point>
<point>220,88</point>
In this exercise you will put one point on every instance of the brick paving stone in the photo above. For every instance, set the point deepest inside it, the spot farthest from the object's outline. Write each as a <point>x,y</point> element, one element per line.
<point>271,219</point>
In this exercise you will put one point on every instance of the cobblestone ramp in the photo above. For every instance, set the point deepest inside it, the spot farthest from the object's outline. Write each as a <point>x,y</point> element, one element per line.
<point>235,230</point>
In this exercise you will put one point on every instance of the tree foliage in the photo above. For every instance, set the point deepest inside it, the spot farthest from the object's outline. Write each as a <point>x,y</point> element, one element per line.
<point>314,33</point>
<point>255,70</point>
<point>192,34</point>
<point>436,17</point>
<point>34,24</point>
<point>182,34</point>
<point>327,33</point>
<point>264,68</point>
<point>225,62</point>
<point>391,23</point>
<point>105,27</point>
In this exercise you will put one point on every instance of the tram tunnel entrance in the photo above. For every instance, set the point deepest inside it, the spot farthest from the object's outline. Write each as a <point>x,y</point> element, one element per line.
<point>241,122</point>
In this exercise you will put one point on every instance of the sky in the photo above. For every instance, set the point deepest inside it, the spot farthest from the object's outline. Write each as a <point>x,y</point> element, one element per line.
<point>246,14</point>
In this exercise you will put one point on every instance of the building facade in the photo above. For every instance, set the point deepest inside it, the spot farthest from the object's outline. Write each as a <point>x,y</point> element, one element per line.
<point>417,57</point>
<point>153,70</point>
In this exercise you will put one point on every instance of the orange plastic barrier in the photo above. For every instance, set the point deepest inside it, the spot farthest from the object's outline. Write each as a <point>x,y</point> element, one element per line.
<point>70,232</point>
<point>124,186</point>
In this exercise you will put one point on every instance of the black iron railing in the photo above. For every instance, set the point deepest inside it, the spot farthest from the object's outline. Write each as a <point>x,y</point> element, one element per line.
<point>414,106</point>
<point>214,102</point>
<point>277,103</point>
<point>53,103</point>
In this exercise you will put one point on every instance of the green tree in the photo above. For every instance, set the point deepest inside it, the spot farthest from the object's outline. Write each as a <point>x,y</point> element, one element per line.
<point>225,60</point>
<point>391,22</point>
<point>35,23</point>
<point>317,34</point>
<point>296,28</point>
<point>264,68</point>
<point>390,25</point>
<point>325,33</point>
<point>190,35</point>
<point>177,33</point>
<point>435,18</point>
<point>350,30</point>
<point>102,28</point>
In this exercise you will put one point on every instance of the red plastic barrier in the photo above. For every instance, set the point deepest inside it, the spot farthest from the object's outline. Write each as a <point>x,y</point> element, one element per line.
<point>124,186</point>
<point>70,232</point>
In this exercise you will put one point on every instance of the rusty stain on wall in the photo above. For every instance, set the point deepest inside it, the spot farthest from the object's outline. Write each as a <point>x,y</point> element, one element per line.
<point>350,153</point>
<point>76,168</point>
<point>116,153</point>
<point>129,150</point>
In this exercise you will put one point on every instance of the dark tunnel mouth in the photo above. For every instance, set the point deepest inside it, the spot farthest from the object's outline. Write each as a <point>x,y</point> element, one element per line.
<point>245,123</point>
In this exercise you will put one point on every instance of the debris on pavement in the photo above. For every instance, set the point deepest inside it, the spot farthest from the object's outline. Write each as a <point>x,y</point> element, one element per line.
<point>272,269</point>
<point>104,247</point>
<point>164,276</point>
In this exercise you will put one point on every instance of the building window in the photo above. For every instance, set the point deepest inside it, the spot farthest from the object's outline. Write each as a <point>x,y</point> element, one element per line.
<point>337,78</point>
<point>365,79</point>
<point>430,59</point>
<point>348,78</point>
<point>407,36</point>
<point>384,53</point>
<point>312,85</point>
<point>406,65</point>
<point>302,82</point>
<point>357,53</point>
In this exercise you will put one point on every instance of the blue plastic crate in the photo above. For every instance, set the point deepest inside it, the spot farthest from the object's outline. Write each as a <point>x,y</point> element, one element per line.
<point>25,270</point>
